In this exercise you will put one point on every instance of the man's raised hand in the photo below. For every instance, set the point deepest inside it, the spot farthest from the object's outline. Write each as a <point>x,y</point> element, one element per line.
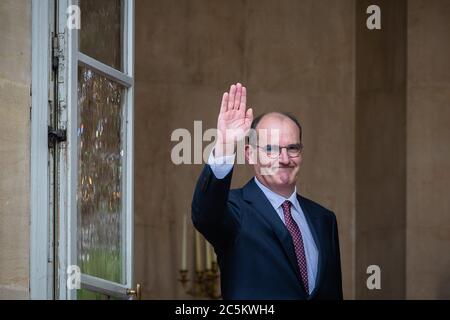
<point>234,119</point>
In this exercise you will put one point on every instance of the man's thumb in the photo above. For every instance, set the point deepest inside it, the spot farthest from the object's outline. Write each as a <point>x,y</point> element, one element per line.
<point>249,113</point>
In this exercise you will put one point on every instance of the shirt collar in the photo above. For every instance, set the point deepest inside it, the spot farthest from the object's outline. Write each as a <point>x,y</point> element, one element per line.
<point>277,200</point>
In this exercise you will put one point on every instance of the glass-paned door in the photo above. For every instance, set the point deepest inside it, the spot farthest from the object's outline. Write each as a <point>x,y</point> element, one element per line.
<point>99,92</point>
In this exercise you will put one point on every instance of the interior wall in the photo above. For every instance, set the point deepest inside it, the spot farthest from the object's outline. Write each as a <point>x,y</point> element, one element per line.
<point>380,150</point>
<point>295,56</point>
<point>305,57</point>
<point>15,79</point>
<point>428,151</point>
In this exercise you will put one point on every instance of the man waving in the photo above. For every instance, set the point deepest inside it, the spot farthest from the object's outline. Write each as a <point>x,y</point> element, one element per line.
<point>271,243</point>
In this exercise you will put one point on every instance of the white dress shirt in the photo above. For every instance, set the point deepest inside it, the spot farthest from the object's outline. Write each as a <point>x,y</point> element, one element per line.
<point>221,166</point>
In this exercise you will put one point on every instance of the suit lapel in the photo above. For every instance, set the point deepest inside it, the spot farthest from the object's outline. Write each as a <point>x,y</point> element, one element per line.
<point>314,225</point>
<point>253,194</point>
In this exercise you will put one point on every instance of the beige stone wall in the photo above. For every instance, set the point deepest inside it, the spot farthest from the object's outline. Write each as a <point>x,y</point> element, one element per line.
<point>428,150</point>
<point>293,55</point>
<point>380,140</point>
<point>15,78</point>
<point>374,107</point>
<point>298,56</point>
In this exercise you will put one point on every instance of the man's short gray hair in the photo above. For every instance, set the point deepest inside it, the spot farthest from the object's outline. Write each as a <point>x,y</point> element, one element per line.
<point>258,119</point>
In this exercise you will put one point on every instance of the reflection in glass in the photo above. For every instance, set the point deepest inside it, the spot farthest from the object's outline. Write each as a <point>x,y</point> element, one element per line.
<point>101,31</point>
<point>100,176</point>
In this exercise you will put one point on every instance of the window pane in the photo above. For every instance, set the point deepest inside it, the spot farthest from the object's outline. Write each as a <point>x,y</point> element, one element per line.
<point>100,176</point>
<point>101,31</point>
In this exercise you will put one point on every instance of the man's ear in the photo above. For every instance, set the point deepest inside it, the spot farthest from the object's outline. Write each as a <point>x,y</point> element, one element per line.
<point>250,155</point>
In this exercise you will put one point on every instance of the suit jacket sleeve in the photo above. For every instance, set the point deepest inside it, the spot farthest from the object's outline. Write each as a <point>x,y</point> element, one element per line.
<point>213,214</point>
<point>338,275</point>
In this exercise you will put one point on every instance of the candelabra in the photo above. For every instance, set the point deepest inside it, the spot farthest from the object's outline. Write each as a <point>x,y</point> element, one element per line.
<point>205,283</point>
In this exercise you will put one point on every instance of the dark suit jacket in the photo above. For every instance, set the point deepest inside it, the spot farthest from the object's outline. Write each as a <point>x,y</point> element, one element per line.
<point>254,249</point>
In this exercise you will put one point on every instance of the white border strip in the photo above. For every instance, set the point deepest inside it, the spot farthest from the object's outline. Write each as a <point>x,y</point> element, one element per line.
<point>105,70</point>
<point>130,21</point>
<point>108,288</point>
<point>39,206</point>
<point>72,148</point>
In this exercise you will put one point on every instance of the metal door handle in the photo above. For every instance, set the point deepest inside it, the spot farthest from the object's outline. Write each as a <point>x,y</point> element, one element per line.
<point>135,292</point>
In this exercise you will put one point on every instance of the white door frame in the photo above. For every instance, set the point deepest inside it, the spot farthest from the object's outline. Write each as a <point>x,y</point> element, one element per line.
<point>125,78</point>
<point>41,236</point>
<point>40,227</point>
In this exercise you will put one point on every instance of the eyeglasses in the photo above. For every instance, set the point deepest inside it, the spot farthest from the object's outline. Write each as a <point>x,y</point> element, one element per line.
<point>274,151</point>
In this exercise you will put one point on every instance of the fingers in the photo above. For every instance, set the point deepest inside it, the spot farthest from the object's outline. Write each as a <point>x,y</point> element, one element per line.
<point>231,97</point>
<point>224,105</point>
<point>243,102</point>
<point>237,98</point>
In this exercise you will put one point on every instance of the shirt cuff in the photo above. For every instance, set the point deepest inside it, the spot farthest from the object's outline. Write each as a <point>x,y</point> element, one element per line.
<point>221,166</point>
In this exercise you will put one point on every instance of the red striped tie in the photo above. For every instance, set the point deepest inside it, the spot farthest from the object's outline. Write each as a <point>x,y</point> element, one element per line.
<point>298,242</point>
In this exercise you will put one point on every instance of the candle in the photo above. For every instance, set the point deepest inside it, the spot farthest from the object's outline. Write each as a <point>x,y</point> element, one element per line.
<point>184,245</point>
<point>208,255</point>
<point>214,257</point>
<point>198,255</point>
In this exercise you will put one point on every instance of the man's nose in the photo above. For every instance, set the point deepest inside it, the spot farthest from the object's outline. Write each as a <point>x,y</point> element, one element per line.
<point>284,158</point>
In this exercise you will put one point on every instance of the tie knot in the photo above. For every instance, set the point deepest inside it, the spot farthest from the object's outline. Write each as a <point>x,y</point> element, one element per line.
<point>286,206</point>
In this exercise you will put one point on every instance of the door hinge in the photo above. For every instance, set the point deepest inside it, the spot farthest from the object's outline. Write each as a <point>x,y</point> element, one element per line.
<point>57,49</point>
<point>56,136</point>
<point>55,53</point>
